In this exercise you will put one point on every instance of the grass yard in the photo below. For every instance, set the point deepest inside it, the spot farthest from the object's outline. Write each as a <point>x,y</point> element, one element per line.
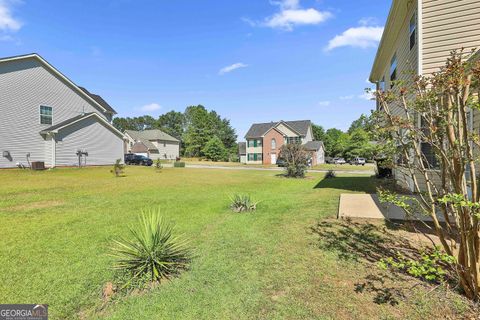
<point>285,261</point>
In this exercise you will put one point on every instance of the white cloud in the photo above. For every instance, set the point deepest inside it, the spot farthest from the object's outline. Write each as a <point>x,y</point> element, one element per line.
<point>291,15</point>
<point>232,67</point>
<point>367,96</point>
<point>349,97</point>
<point>151,107</point>
<point>324,103</point>
<point>7,22</point>
<point>360,37</point>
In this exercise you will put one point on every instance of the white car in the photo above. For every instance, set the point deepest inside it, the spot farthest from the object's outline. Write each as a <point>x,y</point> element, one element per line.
<point>359,161</point>
<point>339,161</point>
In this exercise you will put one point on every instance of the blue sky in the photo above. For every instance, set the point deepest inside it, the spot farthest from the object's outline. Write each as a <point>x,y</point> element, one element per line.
<point>250,60</point>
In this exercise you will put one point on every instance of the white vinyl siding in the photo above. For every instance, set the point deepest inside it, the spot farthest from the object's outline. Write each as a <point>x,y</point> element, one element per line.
<point>103,146</point>
<point>25,85</point>
<point>166,150</point>
<point>448,25</point>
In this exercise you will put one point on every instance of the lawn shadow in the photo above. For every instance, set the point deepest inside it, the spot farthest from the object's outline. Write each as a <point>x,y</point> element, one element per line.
<point>357,184</point>
<point>368,243</point>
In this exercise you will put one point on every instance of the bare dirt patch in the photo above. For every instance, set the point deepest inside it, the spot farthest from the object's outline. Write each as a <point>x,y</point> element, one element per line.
<point>36,205</point>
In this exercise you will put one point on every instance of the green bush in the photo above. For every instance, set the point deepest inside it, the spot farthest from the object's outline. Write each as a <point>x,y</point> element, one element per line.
<point>158,165</point>
<point>296,158</point>
<point>242,203</point>
<point>432,266</point>
<point>179,164</point>
<point>151,251</point>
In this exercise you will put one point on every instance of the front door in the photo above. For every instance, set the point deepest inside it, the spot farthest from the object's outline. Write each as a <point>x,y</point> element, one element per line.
<point>274,159</point>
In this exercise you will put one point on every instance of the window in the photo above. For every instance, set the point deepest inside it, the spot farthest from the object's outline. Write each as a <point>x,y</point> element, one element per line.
<point>413,31</point>
<point>393,70</point>
<point>46,115</point>
<point>274,144</point>
<point>255,157</point>
<point>292,140</point>
<point>254,143</point>
<point>381,85</point>
<point>430,160</point>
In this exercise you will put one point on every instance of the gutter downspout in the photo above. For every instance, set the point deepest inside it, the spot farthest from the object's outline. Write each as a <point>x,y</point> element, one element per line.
<point>54,150</point>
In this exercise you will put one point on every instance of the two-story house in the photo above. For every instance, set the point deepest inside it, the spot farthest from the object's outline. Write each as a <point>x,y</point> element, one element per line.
<point>418,38</point>
<point>264,141</point>
<point>155,144</point>
<point>45,117</point>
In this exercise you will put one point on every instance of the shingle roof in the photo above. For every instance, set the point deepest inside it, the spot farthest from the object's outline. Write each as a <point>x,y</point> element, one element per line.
<point>65,123</point>
<point>154,134</point>
<point>257,130</point>
<point>99,100</point>
<point>314,145</point>
<point>242,148</point>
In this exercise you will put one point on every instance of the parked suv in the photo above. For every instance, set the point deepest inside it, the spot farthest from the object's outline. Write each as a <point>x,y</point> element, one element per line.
<point>339,161</point>
<point>359,161</point>
<point>138,160</point>
<point>281,162</point>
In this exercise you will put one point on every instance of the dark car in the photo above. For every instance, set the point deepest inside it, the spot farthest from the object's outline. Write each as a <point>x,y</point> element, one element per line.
<point>281,162</point>
<point>138,160</point>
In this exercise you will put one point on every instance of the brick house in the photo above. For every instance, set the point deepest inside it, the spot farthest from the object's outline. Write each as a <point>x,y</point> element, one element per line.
<point>264,141</point>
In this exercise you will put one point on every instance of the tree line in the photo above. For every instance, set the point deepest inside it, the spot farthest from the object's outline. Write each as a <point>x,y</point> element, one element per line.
<point>356,142</point>
<point>206,134</point>
<point>203,133</point>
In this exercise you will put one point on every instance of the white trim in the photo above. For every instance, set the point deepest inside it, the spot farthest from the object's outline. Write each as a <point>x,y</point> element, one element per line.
<point>54,151</point>
<point>420,36</point>
<point>86,117</point>
<point>59,74</point>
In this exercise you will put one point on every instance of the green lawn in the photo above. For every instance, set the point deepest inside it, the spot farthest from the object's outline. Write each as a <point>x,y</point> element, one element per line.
<point>55,229</point>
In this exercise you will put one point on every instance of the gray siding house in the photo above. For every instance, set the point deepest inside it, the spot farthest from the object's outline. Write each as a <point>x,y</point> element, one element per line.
<point>155,144</point>
<point>46,117</point>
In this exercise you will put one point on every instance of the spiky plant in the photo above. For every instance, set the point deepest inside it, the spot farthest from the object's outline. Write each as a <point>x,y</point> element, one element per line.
<point>158,165</point>
<point>118,168</point>
<point>330,174</point>
<point>152,250</point>
<point>242,203</point>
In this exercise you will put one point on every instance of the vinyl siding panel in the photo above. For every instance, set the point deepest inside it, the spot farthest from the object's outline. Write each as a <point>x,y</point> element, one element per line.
<point>166,149</point>
<point>103,146</point>
<point>448,25</point>
<point>24,86</point>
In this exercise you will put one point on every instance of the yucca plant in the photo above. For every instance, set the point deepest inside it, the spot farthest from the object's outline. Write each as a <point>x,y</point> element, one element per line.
<point>118,168</point>
<point>152,251</point>
<point>242,203</point>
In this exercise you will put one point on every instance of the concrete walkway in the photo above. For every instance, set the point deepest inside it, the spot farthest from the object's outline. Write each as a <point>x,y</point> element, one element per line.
<point>368,206</point>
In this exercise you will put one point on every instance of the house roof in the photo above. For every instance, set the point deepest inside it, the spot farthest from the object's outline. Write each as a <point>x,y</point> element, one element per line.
<point>154,134</point>
<point>258,130</point>
<point>398,10</point>
<point>314,145</point>
<point>97,102</point>
<point>242,148</point>
<point>64,124</point>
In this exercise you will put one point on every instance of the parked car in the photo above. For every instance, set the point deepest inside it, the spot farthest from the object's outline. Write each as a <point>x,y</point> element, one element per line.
<point>329,160</point>
<point>359,161</point>
<point>339,161</point>
<point>281,162</point>
<point>138,160</point>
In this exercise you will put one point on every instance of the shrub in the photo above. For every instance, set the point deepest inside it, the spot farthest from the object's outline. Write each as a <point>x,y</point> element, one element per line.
<point>330,174</point>
<point>178,164</point>
<point>242,203</point>
<point>151,252</point>
<point>431,266</point>
<point>296,158</point>
<point>215,150</point>
<point>118,168</point>
<point>158,165</point>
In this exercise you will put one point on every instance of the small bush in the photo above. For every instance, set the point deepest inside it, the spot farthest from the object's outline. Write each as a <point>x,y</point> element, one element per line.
<point>151,252</point>
<point>178,164</point>
<point>242,203</point>
<point>431,267</point>
<point>158,165</point>
<point>118,168</point>
<point>296,158</point>
<point>330,174</point>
